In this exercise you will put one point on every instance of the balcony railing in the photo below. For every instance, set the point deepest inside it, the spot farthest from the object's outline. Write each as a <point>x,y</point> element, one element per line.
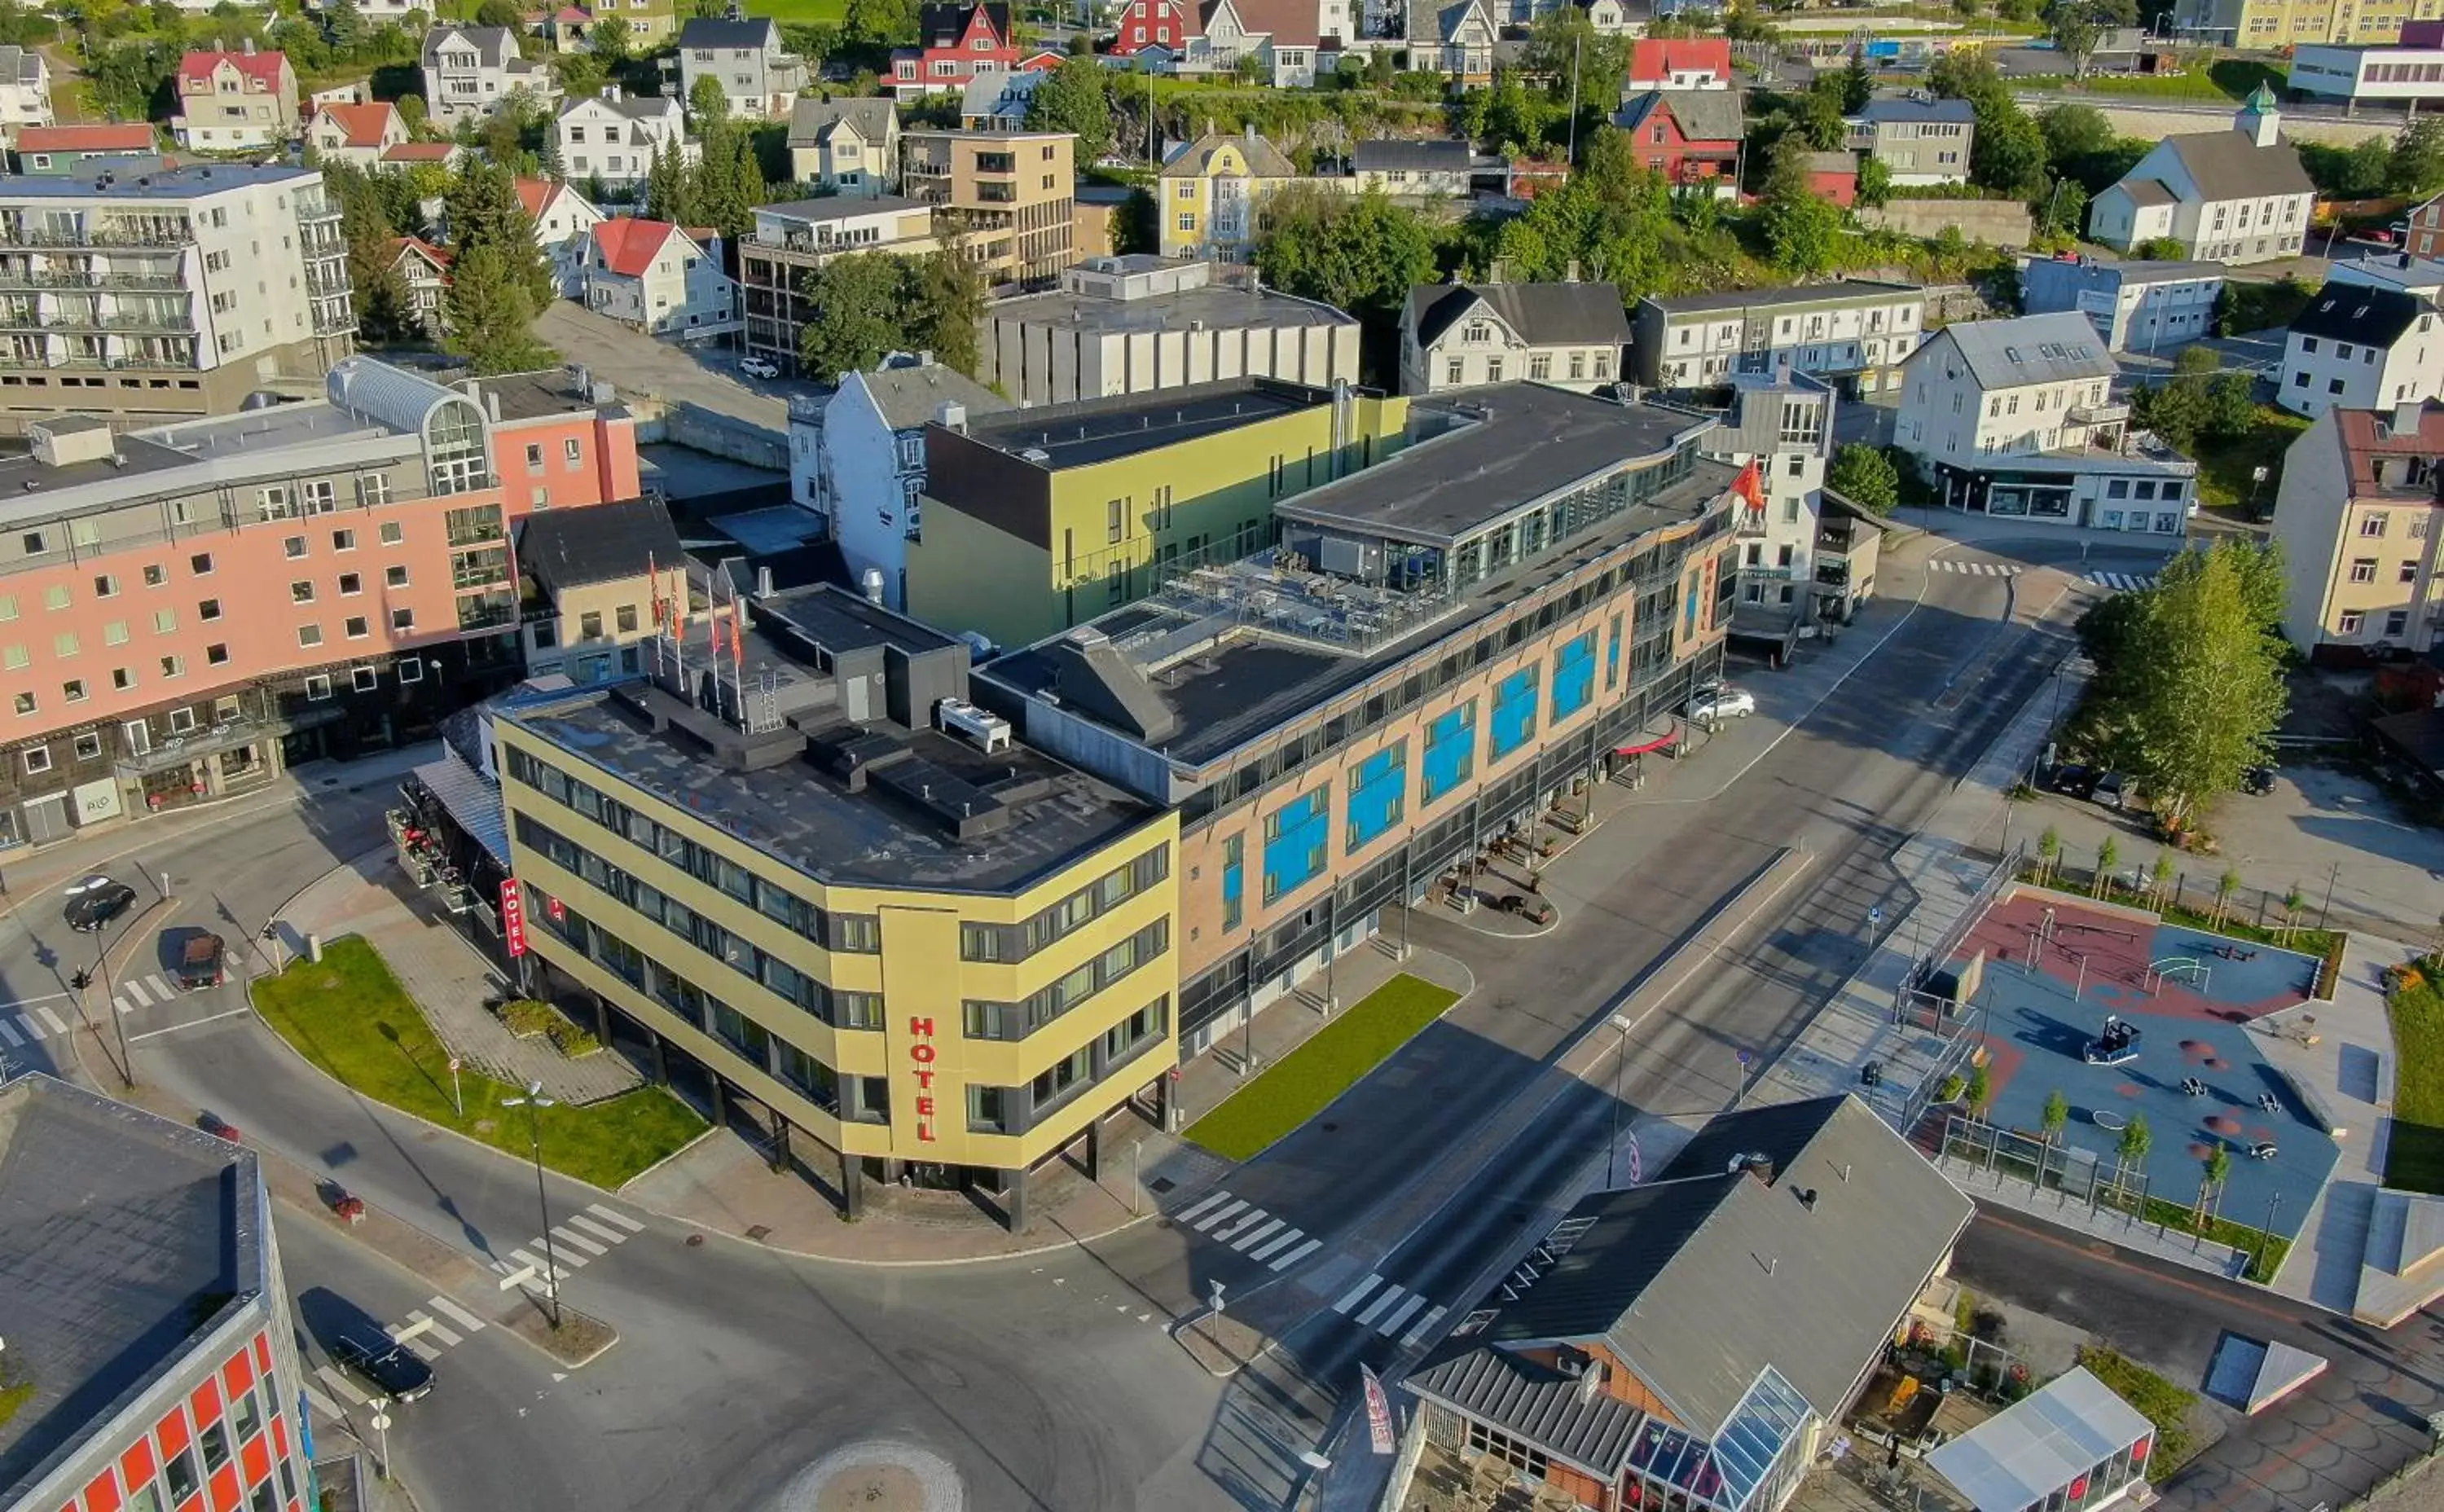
<point>2099,414</point>
<point>1747,523</point>
<point>334,322</point>
<point>162,234</point>
<point>20,361</point>
<point>182,324</point>
<point>49,278</point>
<point>475,535</point>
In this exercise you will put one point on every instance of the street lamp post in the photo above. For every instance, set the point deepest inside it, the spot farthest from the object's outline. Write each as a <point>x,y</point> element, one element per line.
<point>534,1102</point>
<point>1619,1070</point>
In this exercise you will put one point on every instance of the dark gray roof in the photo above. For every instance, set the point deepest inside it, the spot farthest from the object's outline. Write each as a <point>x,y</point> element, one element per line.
<point>494,45</point>
<point>1704,1278</point>
<point>2145,192</point>
<point>1083,431</point>
<point>1906,107</point>
<point>1537,1404</point>
<point>872,114</point>
<point>122,1236</point>
<point>839,207</point>
<point>2359,312</point>
<point>751,33</point>
<point>23,64</point>
<point>910,396</point>
<point>1542,314</point>
<point>1518,443</point>
<point>2229,165</point>
<point>570,548</point>
<point>1703,115</point>
<point>1390,154</point>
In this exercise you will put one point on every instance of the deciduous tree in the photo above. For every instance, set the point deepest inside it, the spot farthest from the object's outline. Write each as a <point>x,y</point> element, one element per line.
<point>1866,477</point>
<point>853,314</point>
<point>1076,97</point>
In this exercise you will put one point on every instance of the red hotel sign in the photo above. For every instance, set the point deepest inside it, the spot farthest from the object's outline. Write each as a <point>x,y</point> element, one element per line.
<point>514,918</point>
<point>921,1030</point>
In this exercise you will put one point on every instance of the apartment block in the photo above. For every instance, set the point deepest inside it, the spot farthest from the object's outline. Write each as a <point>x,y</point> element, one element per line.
<point>616,138</point>
<point>175,292</point>
<point>1443,651</point>
<point>1011,193</point>
<point>468,71</point>
<point>791,241</point>
<point>1142,324</point>
<point>24,91</point>
<point>188,609</point>
<point>2359,513</point>
<point>1044,518</point>
<point>794,852</point>
<point>2268,25</point>
<point>229,101</point>
<point>1857,332</point>
<point>1782,429</point>
<point>2140,306</point>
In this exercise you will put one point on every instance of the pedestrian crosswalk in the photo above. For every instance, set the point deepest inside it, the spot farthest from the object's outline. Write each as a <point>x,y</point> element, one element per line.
<point>2110,581</point>
<point>1249,1230</point>
<point>2121,582</point>
<point>1978,569</point>
<point>143,992</point>
<point>584,1239</point>
<point>423,1333</point>
<point>53,1015</point>
<point>1390,1310</point>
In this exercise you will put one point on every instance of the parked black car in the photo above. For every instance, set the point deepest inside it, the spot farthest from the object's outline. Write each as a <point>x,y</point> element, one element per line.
<point>96,901</point>
<point>388,1364</point>
<point>2257,782</point>
<point>2073,780</point>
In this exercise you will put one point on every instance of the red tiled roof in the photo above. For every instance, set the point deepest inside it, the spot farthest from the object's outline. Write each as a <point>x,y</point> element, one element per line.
<point>535,194</point>
<point>263,67</point>
<point>1292,23</point>
<point>400,246</point>
<point>364,125</point>
<point>421,151</point>
<point>2367,434</point>
<point>133,136</point>
<point>1659,58</point>
<point>629,245</point>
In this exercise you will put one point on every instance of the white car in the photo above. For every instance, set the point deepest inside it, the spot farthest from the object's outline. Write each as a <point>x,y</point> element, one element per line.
<point>762,367</point>
<point>1720,701</point>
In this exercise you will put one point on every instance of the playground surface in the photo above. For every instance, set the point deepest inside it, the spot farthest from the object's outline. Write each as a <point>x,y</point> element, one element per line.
<point>2191,996</point>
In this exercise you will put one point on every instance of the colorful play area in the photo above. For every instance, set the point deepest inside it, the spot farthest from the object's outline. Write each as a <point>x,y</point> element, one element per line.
<point>2183,1056</point>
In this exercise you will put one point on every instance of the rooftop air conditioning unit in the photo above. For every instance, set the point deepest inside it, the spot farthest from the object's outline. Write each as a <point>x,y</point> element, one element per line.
<point>988,732</point>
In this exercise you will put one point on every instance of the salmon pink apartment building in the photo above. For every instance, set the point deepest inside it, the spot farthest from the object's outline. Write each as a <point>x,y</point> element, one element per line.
<point>189,609</point>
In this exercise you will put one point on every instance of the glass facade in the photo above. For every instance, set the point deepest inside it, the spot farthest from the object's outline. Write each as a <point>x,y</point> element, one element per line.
<point>1295,845</point>
<point>1378,786</point>
<point>1451,751</point>
<point>1574,676</point>
<point>1514,712</point>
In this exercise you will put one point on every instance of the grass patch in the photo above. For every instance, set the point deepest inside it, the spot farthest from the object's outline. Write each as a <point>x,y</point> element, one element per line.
<point>348,1015</point>
<point>2225,468</point>
<point>2157,1400</point>
<point>803,11</point>
<point>2229,79</point>
<point>1303,1084</point>
<point>13,1396</point>
<point>2413,1155</point>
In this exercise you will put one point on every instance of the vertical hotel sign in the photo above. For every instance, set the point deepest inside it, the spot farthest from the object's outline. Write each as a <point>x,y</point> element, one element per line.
<point>921,1055</point>
<point>513,918</point>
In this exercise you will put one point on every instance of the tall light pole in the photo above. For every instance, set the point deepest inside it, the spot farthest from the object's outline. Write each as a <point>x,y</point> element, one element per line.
<point>534,1102</point>
<point>1619,1070</point>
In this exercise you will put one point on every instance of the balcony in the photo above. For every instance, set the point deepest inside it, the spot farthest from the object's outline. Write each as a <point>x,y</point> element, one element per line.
<point>1747,523</point>
<point>102,233</point>
<point>25,362</point>
<point>14,277</point>
<point>2109,414</point>
<point>327,279</point>
<point>339,321</point>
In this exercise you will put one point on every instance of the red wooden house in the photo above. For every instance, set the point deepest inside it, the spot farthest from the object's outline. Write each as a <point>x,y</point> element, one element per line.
<point>957,45</point>
<point>1689,136</point>
<point>1145,24</point>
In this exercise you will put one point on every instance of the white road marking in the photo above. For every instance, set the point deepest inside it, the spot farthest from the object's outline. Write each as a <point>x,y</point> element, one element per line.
<point>11,1036</point>
<point>602,1231</point>
<point>33,1028</point>
<point>454,1312</point>
<point>1425,1325</point>
<point>520,1276</point>
<point>1372,1281</point>
<point>1202,1202</point>
<point>421,1324</point>
<point>416,1324</point>
<point>322,1404</point>
<point>1281,1241</point>
<point>1390,1327</point>
<point>135,989</point>
<point>208,1018</point>
<point>1379,1305</point>
<point>1211,1219</point>
<point>161,987</point>
<point>562,1257</point>
<point>1244,1239</point>
<point>1298,1254</point>
<point>343,1386</point>
<point>58,1025</point>
<point>566,1236</point>
<point>615,1215</point>
<point>1245,1222</point>
<point>423,1351</point>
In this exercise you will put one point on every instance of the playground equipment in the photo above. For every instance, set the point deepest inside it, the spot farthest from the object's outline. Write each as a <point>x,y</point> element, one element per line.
<point>2173,965</point>
<point>2115,1045</point>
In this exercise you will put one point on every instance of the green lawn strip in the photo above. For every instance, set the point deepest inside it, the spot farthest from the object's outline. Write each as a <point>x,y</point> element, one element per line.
<point>2226,470</point>
<point>2413,1152</point>
<point>1303,1082</point>
<point>834,11</point>
<point>348,1015</point>
<point>2157,1400</point>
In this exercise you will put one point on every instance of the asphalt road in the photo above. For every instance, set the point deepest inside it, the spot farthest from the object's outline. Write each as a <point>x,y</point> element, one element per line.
<point>1049,1382</point>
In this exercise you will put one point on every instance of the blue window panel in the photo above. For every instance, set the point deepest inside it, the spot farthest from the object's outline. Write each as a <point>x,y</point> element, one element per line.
<point>1689,610</point>
<point>1234,881</point>
<point>1574,676</point>
<point>1450,752</point>
<point>1378,790</point>
<point>1297,837</point>
<point>1612,656</point>
<point>1514,712</point>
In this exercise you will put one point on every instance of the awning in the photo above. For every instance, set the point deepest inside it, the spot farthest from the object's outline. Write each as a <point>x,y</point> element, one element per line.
<point>472,802</point>
<point>2041,1444</point>
<point>1644,741</point>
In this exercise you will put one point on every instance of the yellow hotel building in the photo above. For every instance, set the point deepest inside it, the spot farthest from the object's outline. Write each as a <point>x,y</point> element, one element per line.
<point>895,938</point>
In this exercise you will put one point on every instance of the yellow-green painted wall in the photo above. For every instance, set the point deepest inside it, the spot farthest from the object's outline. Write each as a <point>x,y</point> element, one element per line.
<point>968,574</point>
<point>924,983</point>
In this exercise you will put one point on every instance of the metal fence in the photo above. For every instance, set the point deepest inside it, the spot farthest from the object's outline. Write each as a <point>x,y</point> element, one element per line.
<point>2075,1175</point>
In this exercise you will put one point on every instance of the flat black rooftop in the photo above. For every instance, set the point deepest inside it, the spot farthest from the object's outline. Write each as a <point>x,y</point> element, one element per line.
<point>530,397</point>
<point>1508,446</point>
<point>839,621</point>
<point>1233,692</point>
<point>123,1235</point>
<point>1092,431</point>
